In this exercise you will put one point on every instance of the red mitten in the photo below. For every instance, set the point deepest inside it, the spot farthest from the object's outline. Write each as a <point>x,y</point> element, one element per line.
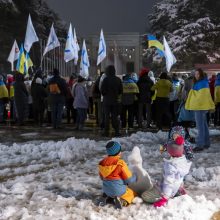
<point>162,202</point>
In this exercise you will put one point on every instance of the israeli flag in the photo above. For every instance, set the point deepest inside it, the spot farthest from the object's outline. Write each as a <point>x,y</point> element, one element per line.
<point>76,47</point>
<point>102,49</point>
<point>30,36</point>
<point>84,64</point>
<point>170,58</point>
<point>52,41</point>
<point>69,53</point>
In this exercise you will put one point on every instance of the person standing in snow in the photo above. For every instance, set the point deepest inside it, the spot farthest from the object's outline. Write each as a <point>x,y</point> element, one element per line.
<point>116,175</point>
<point>217,100</point>
<point>111,89</point>
<point>81,102</point>
<point>57,92</point>
<point>21,98</point>
<point>200,101</point>
<point>3,98</point>
<point>163,88</point>
<point>174,171</point>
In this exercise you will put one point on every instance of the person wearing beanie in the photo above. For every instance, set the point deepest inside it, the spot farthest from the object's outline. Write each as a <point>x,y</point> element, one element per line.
<point>174,170</point>
<point>116,175</point>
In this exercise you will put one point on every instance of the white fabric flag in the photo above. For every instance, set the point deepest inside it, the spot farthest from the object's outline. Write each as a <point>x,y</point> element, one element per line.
<point>52,41</point>
<point>102,49</point>
<point>170,58</point>
<point>14,54</point>
<point>84,64</point>
<point>69,53</point>
<point>30,36</point>
<point>76,48</point>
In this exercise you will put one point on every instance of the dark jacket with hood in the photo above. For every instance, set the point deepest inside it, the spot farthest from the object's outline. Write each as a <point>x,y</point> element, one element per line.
<point>144,84</point>
<point>38,93</point>
<point>111,88</point>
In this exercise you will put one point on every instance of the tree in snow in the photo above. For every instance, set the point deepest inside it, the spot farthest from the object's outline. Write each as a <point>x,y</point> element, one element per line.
<point>192,28</point>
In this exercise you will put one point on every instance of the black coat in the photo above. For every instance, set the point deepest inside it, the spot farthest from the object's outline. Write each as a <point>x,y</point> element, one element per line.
<point>38,93</point>
<point>63,89</point>
<point>111,89</point>
<point>144,84</point>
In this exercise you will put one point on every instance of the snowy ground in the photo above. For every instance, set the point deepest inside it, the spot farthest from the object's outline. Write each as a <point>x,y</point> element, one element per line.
<point>59,180</point>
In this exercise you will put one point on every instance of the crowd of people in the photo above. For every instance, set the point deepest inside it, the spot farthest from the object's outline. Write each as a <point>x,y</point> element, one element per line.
<point>141,101</point>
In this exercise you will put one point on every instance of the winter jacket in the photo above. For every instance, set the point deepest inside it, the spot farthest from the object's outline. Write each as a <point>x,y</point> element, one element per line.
<point>212,86</point>
<point>145,93</point>
<point>217,89</point>
<point>174,95</point>
<point>199,97</point>
<point>163,87</point>
<point>115,175</point>
<point>80,95</point>
<point>57,89</point>
<point>38,93</point>
<point>111,89</point>
<point>174,171</point>
<point>130,90</point>
<point>96,94</point>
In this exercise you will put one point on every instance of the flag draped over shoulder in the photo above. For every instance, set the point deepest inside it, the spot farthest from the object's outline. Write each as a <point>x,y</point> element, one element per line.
<point>217,89</point>
<point>52,41</point>
<point>170,58</point>
<point>153,42</point>
<point>14,54</point>
<point>199,97</point>
<point>102,49</point>
<point>84,64</point>
<point>21,61</point>
<point>31,36</point>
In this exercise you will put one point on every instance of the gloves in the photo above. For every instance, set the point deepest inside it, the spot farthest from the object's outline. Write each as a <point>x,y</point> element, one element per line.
<point>162,202</point>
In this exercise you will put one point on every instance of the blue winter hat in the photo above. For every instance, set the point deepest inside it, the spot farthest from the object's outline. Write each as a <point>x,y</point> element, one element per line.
<point>113,148</point>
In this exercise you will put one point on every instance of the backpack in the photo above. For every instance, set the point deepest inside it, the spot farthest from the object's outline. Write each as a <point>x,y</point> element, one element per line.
<point>54,89</point>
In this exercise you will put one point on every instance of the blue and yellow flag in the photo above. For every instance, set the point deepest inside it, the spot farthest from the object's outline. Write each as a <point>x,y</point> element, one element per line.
<point>217,89</point>
<point>199,97</point>
<point>21,61</point>
<point>28,63</point>
<point>153,42</point>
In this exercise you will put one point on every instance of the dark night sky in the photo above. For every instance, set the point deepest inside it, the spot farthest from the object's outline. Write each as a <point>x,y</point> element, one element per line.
<point>89,16</point>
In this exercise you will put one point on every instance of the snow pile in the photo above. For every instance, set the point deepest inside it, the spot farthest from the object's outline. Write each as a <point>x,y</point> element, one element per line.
<point>59,180</point>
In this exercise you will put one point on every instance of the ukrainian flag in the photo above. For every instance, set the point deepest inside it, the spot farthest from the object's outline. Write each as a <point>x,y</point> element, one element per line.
<point>21,61</point>
<point>199,97</point>
<point>217,89</point>
<point>153,42</point>
<point>28,63</point>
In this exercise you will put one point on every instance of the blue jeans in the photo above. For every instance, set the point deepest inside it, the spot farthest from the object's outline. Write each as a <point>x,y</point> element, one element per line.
<point>81,116</point>
<point>202,139</point>
<point>57,112</point>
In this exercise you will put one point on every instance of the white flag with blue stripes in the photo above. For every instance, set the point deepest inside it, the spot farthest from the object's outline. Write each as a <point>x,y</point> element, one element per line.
<point>76,47</point>
<point>69,53</point>
<point>52,41</point>
<point>102,49</point>
<point>84,64</point>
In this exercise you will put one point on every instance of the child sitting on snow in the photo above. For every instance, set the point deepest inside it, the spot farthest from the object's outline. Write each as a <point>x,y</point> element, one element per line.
<point>174,170</point>
<point>115,175</point>
<point>176,132</point>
